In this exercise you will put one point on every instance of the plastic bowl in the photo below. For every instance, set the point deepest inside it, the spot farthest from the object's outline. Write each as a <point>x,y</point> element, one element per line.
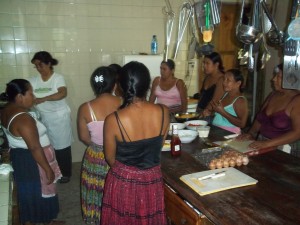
<point>194,124</point>
<point>187,136</point>
<point>180,126</point>
<point>183,117</point>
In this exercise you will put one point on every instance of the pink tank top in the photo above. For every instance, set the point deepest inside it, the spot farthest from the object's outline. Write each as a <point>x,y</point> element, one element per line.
<point>95,128</point>
<point>168,98</point>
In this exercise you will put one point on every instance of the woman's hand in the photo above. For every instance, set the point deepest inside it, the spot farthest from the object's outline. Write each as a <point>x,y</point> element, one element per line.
<point>50,175</point>
<point>259,144</point>
<point>244,137</point>
<point>217,106</point>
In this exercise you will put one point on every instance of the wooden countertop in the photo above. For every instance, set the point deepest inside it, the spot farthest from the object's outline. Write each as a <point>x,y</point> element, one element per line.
<point>274,200</point>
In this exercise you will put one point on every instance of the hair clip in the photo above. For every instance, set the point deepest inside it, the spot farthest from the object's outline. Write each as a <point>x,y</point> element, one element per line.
<point>99,78</point>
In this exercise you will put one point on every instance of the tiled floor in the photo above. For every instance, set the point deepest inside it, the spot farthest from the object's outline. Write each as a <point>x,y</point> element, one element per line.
<point>69,199</point>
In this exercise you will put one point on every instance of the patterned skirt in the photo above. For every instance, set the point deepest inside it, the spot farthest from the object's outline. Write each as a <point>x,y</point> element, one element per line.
<point>93,172</point>
<point>133,196</point>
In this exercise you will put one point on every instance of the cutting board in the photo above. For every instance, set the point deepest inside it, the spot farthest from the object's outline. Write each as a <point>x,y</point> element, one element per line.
<point>243,147</point>
<point>233,179</point>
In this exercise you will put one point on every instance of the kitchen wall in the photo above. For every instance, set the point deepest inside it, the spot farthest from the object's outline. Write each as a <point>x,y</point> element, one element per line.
<point>82,35</point>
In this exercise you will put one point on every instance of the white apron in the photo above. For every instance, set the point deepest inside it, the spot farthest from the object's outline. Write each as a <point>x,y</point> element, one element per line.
<point>59,127</point>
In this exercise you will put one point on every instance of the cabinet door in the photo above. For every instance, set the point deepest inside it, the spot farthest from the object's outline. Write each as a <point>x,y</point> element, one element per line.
<point>179,213</point>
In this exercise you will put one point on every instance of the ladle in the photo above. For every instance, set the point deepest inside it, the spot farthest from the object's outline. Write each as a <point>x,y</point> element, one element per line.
<point>169,26</point>
<point>266,55</point>
<point>275,36</point>
<point>247,34</point>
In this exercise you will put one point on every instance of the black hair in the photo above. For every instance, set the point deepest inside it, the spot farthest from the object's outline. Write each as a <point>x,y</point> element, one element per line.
<point>237,76</point>
<point>216,58</point>
<point>103,80</point>
<point>116,67</point>
<point>15,87</point>
<point>45,57</point>
<point>134,81</point>
<point>170,63</point>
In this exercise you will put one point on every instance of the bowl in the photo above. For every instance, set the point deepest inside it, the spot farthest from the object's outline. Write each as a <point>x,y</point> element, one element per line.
<point>180,126</point>
<point>183,117</point>
<point>194,124</point>
<point>187,136</point>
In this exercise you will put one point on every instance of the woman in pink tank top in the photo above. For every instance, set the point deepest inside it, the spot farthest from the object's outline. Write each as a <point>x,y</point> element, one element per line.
<point>278,122</point>
<point>168,90</point>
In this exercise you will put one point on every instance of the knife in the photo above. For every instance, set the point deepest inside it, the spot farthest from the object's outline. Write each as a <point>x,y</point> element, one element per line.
<point>213,175</point>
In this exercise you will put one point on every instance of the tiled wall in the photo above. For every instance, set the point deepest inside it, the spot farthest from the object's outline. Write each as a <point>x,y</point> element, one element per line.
<point>82,35</point>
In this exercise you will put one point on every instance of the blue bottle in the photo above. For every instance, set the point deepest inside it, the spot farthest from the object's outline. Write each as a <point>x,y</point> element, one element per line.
<point>154,45</point>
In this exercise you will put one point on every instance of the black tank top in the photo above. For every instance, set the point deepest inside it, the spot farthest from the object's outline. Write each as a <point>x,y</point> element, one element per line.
<point>142,154</point>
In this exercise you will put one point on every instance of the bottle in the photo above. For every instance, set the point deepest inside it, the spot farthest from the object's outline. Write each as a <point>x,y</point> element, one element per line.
<point>154,45</point>
<point>175,142</point>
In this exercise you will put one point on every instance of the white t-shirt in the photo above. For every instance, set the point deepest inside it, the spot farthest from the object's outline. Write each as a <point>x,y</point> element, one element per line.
<point>45,88</point>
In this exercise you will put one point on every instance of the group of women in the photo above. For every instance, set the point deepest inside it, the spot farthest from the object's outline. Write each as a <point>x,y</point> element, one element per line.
<point>121,181</point>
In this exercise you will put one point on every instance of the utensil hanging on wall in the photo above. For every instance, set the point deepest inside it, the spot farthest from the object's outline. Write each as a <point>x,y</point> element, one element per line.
<point>294,26</point>
<point>215,14</point>
<point>167,10</point>
<point>248,34</point>
<point>184,16</point>
<point>265,53</point>
<point>274,36</point>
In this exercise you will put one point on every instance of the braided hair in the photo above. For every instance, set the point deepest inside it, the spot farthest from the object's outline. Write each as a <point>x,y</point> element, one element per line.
<point>134,81</point>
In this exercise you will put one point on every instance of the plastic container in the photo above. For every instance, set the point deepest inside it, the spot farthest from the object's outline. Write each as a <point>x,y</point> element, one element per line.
<point>154,45</point>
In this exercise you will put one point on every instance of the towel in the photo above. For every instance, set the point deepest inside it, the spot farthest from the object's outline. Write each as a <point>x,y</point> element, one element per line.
<point>49,190</point>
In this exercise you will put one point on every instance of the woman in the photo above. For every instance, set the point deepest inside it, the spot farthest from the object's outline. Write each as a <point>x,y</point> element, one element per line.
<point>90,122</point>
<point>212,87</point>
<point>50,89</point>
<point>278,122</point>
<point>28,140</point>
<point>231,112</point>
<point>133,139</point>
<point>169,90</point>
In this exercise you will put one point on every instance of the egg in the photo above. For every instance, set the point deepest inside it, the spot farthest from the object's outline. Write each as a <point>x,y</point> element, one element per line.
<point>239,161</point>
<point>245,160</point>
<point>226,163</point>
<point>232,163</point>
<point>219,164</point>
<point>212,165</point>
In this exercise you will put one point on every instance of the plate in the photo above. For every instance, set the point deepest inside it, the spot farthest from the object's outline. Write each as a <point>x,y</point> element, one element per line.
<point>194,124</point>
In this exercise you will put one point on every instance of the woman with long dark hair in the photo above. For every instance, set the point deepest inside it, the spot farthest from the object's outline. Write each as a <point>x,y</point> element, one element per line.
<point>212,87</point>
<point>90,120</point>
<point>133,139</point>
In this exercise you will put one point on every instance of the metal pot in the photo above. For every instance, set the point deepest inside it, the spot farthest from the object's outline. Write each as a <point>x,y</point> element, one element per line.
<point>183,117</point>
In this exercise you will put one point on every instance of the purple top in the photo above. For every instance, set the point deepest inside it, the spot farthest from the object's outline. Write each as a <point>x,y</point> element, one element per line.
<point>276,124</point>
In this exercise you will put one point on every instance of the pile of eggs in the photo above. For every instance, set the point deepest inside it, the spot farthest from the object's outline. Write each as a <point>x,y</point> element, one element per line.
<point>229,158</point>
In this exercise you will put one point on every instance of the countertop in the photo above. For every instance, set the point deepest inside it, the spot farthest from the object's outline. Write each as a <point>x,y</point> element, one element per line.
<point>275,199</point>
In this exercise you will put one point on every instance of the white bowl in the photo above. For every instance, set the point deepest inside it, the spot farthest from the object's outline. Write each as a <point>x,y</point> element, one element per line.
<point>180,126</point>
<point>187,136</point>
<point>194,124</point>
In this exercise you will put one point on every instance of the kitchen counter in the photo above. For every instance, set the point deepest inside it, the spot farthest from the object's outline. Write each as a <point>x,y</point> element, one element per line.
<point>275,199</point>
<point>6,199</point>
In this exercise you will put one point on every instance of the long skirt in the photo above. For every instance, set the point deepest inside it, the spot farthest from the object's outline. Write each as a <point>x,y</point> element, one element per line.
<point>133,196</point>
<point>93,172</point>
<point>32,206</point>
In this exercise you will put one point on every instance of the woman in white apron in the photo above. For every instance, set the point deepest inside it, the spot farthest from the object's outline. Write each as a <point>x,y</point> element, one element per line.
<point>50,90</point>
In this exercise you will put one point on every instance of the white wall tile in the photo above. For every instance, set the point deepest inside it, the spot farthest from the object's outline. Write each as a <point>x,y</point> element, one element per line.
<point>82,35</point>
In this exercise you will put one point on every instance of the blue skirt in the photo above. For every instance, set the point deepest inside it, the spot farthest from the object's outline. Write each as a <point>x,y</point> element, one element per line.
<point>32,207</point>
